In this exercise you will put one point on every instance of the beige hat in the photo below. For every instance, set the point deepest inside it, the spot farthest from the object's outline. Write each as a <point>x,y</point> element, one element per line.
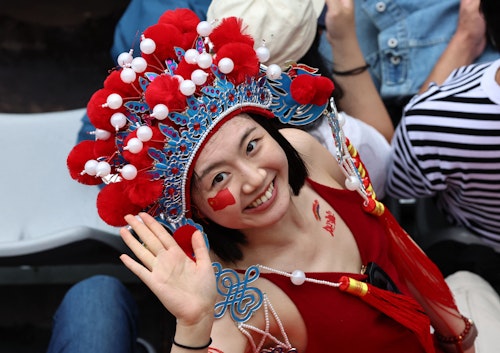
<point>288,27</point>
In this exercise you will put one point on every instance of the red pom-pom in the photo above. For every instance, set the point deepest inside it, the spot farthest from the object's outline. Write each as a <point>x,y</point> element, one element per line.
<point>76,160</point>
<point>166,38</point>
<point>185,21</point>
<point>165,90</point>
<point>324,89</point>
<point>114,83</point>
<point>302,89</point>
<point>246,63</point>
<point>143,191</point>
<point>229,31</point>
<point>98,115</point>
<point>183,237</point>
<point>185,69</point>
<point>142,160</point>
<point>113,204</point>
<point>306,89</point>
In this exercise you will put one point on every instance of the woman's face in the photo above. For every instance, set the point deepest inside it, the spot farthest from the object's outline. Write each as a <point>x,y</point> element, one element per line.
<point>241,176</point>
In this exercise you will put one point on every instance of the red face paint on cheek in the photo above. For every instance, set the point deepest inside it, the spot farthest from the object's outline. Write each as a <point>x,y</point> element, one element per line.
<point>223,199</point>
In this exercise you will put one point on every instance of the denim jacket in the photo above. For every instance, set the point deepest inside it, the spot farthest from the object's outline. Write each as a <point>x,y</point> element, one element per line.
<point>403,39</point>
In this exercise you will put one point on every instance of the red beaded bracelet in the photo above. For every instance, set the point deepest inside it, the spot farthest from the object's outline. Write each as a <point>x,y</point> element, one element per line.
<point>462,341</point>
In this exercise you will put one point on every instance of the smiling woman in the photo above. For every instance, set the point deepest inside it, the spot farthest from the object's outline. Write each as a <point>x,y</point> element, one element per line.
<point>256,238</point>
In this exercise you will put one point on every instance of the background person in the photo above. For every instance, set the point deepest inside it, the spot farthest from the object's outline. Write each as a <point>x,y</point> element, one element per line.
<point>446,147</point>
<point>402,41</point>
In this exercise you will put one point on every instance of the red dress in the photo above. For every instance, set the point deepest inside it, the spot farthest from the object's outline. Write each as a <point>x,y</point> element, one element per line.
<point>340,322</point>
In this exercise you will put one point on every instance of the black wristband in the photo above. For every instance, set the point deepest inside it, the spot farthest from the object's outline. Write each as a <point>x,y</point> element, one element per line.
<point>355,71</point>
<point>190,347</point>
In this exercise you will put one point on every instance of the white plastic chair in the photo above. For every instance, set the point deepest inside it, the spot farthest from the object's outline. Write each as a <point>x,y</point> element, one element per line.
<point>41,207</point>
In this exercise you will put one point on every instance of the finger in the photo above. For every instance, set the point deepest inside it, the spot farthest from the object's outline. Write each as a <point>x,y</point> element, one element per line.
<point>159,230</point>
<point>142,253</point>
<point>140,271</point>
<point>145,234</point>
<point>200,248</point>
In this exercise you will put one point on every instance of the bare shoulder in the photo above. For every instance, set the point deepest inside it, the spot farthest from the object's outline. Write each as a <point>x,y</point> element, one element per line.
<point>320,163</point>
<point>305,144</point>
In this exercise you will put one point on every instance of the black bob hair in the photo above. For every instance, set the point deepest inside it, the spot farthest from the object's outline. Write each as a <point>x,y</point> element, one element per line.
<point>225,242</point>
<point>490,10</point>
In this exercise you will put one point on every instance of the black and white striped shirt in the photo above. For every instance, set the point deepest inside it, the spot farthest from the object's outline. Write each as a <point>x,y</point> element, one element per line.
<point>448,145</point>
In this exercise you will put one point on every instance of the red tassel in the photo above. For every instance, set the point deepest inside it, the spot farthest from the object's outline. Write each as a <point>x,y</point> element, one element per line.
<point>402,308</point>
<point>414,266</point>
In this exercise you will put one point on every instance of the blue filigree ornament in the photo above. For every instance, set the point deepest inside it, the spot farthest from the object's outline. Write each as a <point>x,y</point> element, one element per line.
<point>239,297</point>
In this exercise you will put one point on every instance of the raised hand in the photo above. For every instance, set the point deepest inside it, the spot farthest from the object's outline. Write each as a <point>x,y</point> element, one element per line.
<point>339,21</point>
<point>185,287</point>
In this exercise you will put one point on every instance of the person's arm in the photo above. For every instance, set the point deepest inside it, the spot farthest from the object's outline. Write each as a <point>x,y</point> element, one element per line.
<point>449,323</point>
<point>361,98</point>
<point>465,46</point>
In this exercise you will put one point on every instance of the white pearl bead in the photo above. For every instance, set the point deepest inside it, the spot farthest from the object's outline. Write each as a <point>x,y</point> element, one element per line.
<point>199,77</point>
<point>124,59</point>
<point>204,28</point>
<point>134,145</point>
<point>118,120</point>
<point>128,172</point>
<point>273,71</point>
<point>144,133</point>
<point>114,101</point>
<point>128,75</point>
<point>147,45</point>
<point>187,87</point>
<point>226,65</point>
<point>139,64</point>
<point>263,54</point>
<point>103,169</point>
<point>90,167</point>
<point>101,134</point>
<point>352,183</point>
<point>160,112</point>
<point>204,60</point>
<point>191,55</point>
<point>179,78</point>
<point>298,277</point>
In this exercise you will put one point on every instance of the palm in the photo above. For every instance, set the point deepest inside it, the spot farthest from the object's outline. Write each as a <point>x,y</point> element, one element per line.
<point>185,287</point>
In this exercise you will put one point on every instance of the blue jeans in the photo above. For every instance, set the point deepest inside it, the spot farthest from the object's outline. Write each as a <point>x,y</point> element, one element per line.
<point>97,314</point>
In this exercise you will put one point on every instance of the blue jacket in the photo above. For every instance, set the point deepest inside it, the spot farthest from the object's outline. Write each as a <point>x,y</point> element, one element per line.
<point>403,39</point>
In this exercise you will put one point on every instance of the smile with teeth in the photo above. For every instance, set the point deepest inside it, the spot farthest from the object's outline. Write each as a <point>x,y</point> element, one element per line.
<point>265,197</point>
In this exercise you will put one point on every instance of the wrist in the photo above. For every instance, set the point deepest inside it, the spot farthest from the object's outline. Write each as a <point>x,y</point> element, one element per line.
<point>191,347</point>
<point>195,335</point>
<point>461,342</point>
<point>351,72</point>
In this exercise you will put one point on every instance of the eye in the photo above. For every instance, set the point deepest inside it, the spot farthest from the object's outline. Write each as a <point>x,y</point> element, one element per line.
<point>219,178</point>
<point>251,146</point>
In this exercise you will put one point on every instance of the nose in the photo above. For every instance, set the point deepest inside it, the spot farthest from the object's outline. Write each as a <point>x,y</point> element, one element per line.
<point>253,177</point>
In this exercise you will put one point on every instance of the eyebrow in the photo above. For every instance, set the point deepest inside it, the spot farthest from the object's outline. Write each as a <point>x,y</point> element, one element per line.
<point>212,166</point>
